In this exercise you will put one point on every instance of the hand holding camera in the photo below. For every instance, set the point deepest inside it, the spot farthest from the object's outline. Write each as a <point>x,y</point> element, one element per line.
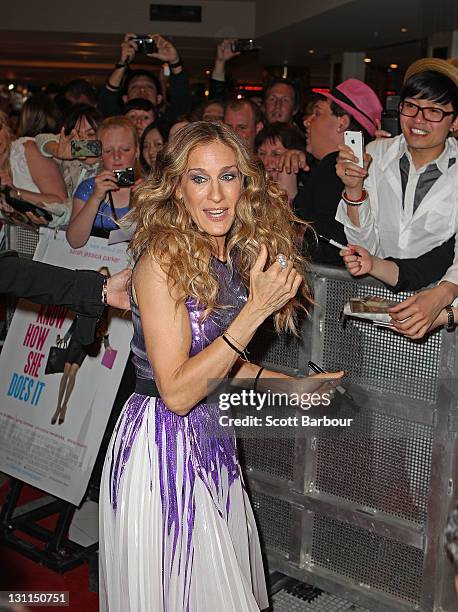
<point>103,183</point>
<point>128,49</point>
<point>152,45</point>
<point>165,52</point>
<point>349,172</point>
<point>244,45</point>
<point>224,50</point>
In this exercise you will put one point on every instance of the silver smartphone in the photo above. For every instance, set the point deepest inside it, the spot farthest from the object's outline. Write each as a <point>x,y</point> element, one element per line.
<point>355,141</point>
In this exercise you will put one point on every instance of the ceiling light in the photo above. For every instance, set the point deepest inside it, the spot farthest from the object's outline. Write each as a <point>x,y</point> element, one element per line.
<point>403,30</point>
<point>311,51</point>
<point>207,93</point>
<point>11,86</point>
<point>207,72</point>
<point>239,96</point>
<point>394,66</point>
<point>367,60</point>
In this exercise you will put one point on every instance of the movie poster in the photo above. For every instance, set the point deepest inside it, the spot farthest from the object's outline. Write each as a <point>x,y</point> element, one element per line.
<point>51,425</point>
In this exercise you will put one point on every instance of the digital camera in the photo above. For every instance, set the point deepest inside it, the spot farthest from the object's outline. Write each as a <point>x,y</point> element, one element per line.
<point>244,44</point>
<point>145,44</point>
<point>125,178</point>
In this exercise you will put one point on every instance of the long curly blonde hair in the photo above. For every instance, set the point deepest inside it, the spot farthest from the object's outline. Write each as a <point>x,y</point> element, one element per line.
<point>166,230</point>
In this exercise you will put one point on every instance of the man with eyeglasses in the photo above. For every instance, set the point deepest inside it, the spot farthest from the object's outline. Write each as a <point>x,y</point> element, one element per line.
<point>404,202</point>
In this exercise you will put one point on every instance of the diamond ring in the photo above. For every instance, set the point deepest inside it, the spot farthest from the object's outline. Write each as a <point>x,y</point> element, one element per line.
<point>282,260</point>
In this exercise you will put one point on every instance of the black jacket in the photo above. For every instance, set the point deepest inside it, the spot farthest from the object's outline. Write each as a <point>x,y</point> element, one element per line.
<point>180,101</point>
<point>78,290</point>
<point>428,268</point>
<point>317,203</point>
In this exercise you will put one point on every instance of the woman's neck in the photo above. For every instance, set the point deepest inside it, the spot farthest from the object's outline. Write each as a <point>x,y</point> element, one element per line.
<point>121,198</point>
<point>219,250</point>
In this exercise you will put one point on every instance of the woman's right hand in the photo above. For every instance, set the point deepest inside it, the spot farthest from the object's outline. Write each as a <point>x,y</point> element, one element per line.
<point>103,183</point>
<point>357,260</point>
<point>272,289</point>
<point>351,175</point>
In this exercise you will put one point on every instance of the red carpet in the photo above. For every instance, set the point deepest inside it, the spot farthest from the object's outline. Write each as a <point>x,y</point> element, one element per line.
<point>19,573</point>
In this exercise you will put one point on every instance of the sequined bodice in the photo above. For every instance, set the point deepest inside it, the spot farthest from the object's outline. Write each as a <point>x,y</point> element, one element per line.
<point>232,293</point>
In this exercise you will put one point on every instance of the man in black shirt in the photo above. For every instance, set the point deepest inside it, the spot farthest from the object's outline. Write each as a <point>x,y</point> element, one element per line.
<point>353,105</point>
<point>144,83</point>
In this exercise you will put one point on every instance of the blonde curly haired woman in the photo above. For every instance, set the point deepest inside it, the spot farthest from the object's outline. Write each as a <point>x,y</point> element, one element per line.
<point>215,256</point>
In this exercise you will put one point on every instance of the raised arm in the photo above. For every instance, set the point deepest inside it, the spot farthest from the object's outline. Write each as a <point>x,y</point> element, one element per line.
<point>46,175</point>
<point>108,102</point>
<point>180,96</point>
<point>354,210</point>
<point>224,53</point>
<point>84,212</point>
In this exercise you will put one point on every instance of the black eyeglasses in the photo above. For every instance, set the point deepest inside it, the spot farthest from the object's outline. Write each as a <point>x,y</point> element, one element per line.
<point>430,113</point>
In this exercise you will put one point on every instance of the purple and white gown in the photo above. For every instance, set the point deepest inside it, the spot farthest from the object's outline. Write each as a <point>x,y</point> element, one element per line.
<point>177,532</point>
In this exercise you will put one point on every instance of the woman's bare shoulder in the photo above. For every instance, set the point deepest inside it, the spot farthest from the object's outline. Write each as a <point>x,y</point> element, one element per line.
<point>151,275</point>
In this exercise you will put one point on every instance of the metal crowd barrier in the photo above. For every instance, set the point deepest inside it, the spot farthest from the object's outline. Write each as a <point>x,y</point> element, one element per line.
<point>360,513</point>
<point>21,239</point>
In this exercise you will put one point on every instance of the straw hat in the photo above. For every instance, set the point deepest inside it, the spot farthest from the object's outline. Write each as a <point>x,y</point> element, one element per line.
<point>448,68</point>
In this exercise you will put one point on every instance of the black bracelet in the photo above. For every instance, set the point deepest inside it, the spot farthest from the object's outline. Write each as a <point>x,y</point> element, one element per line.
<point>120,65</point>
<point>112,87</point>
<point>243,354</point>
<point>256,378</point>
<point>175,64</point>
<point>450,318</point>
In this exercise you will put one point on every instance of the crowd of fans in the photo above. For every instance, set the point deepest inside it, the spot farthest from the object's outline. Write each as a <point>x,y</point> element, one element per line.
<point>398,203</point>
<point>397,207</point>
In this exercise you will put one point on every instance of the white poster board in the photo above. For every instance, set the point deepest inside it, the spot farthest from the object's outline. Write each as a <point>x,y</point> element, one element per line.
<point>58,458</point>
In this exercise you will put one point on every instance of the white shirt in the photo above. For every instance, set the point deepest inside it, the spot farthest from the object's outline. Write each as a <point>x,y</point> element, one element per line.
<point>389,230</point>
<point>20,173</point>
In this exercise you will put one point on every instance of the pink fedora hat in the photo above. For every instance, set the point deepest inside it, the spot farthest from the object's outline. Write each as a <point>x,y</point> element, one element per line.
<point>359,101</point>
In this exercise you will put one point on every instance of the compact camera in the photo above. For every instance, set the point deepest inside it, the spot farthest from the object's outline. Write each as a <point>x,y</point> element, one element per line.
<point>86,148</point>
<point>145,44</point>
<point>125,178</point>
<point>244,44</point>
